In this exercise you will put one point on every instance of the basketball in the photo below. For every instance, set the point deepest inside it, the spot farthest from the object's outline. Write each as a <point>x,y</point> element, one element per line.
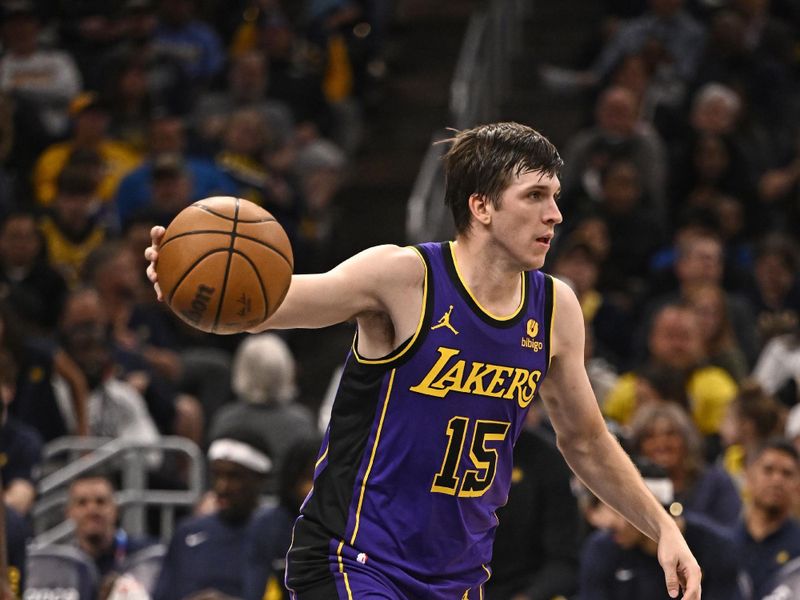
<point>224,265</point>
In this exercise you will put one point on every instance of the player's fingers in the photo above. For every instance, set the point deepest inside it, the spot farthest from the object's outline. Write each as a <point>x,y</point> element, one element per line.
<point>691,583</point>
<point>673,584</point>
<point>159,295</point>
<point>156,233</point>
<point>151,254</point>
<point>151,273</point>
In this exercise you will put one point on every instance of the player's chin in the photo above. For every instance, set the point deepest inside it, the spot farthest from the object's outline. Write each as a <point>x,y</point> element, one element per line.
<point>535,261</point>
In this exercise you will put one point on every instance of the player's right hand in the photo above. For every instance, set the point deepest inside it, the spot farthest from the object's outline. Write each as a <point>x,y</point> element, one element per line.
<point>151,254</point>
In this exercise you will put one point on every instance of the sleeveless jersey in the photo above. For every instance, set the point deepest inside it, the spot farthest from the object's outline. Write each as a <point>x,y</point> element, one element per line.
<point>418,453</point>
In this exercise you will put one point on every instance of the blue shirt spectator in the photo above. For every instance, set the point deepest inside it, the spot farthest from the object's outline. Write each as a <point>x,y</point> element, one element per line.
<point>208,552</point>
<point>135,190</point>
<point>764,558</point>
<point>680,36</point>
<point>611,569</point>
<point>190,42</point>
<point>768,536</point>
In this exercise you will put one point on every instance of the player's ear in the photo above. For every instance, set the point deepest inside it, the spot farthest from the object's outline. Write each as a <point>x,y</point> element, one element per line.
<point>479,205</point>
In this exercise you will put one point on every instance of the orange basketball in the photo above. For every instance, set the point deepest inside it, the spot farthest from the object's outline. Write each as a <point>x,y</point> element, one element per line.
<point>224,264</point>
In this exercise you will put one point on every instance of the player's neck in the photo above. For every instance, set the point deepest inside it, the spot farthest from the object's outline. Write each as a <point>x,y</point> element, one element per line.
<point>495,284</point>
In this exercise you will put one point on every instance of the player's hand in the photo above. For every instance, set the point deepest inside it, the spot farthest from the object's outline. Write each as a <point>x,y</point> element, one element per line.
<point>151,254</point>
<point>681,570</point>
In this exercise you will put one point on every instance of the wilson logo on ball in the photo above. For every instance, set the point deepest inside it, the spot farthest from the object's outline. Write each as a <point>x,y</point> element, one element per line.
<point>200,303</point>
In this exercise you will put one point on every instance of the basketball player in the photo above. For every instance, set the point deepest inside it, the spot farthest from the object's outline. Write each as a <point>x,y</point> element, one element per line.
<point>453,343</point>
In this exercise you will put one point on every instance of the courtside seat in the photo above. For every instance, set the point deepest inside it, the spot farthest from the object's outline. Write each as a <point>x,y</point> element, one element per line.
<point>60,572</point>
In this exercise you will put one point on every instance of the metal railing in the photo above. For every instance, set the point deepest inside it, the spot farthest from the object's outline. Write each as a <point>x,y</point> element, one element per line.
<point>128,459</point>
<point>480,83</point>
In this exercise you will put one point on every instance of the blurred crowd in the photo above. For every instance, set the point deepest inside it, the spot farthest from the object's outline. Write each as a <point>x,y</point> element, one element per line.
<point>681,198</point>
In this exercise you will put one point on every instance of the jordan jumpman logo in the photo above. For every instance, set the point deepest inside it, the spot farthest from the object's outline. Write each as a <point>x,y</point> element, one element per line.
<point>445,321</point>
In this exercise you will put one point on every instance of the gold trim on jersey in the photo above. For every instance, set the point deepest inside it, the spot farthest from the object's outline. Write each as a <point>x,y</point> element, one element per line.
<point>323,457</point>
<point>488,577</point>
<point>341,570</point>
<point>395,354</point>
<point>475,300</point>
<point>372,457</point>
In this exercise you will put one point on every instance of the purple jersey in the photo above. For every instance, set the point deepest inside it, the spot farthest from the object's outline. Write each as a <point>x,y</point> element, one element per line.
<point>418,453</point>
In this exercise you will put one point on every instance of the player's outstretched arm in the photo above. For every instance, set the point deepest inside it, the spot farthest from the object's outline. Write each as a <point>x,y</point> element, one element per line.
<point>382,280</point>
<point>595,455</point>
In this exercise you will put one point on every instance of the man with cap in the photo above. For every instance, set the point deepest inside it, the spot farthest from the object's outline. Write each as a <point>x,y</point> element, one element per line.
<point>207,553</point>
<point>618,562</point>
<point>90,120</point>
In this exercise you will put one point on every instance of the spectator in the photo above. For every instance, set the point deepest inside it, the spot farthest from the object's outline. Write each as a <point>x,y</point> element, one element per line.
<point>242,158</point>
<point>144,349</point>
<point>319,172</point>
<point>712,169</point>
<point>659,384</point>
<point>617,134</point>
<point>270,533</point>
<point>671,37</point>
<point>73,228</point>
<point>778,367</point>
<point>189,42</point>
<point>47,79</point>
<point>620,563</point>
<point>577,263</point>
<point>665,435</point>
<point>633,229</point>
<point>90,133</point>
<point>674,341</point>
<point>116,408</point>
<point>44,368</point>
<point>30,285</point>
<point>167,136</point>
<point>718,337</point>
<point>93,510</point>
<point>131,102</point>
<point>775,289</point>
<point>20,446</point>
<point>207,553</point>
<point>700,262</point>
<point>248,83</point>
<point>263,379</point>
<point>535,553</point>
<point>768,535</point>
<point>753,418</point>
<point>171,188</point>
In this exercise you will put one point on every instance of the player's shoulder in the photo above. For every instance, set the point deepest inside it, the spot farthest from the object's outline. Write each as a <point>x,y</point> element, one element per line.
<point>399,263</point>
<point>566,302</point>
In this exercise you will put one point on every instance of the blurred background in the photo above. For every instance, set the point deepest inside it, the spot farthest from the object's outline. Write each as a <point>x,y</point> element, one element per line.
<point>678,123</point>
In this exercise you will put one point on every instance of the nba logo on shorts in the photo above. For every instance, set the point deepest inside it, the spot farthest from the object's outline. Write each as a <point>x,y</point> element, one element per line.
<point>362,558</point>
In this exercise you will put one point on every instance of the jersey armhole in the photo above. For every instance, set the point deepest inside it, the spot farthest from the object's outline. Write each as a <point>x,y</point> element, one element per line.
<point>549,315</point>
<point>405,349</point>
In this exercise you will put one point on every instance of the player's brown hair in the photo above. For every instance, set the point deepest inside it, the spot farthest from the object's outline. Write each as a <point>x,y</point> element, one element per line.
<point>483,160</point>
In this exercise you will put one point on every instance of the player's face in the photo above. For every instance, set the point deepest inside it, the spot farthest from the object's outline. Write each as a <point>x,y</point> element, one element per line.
<point>524,221</point>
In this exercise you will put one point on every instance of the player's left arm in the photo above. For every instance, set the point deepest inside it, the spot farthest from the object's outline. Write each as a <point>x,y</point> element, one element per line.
<point>595,455</point>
